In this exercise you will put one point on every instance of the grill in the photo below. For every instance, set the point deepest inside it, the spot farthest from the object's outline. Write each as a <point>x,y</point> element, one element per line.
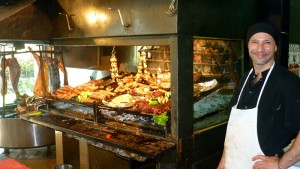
<point>132,129</point>
<point>193,135</point>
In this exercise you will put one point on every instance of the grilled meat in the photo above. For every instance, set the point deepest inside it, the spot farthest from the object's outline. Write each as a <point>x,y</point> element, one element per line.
<point>62,68</point>
<point>41,84</point>
<point>14,74</point>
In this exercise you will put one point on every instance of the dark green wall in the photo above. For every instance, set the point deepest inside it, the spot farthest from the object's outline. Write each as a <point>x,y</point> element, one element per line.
<point>295,22</point>
<point>215,18</point>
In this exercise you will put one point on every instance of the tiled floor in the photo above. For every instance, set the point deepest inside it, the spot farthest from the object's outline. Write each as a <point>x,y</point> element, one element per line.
<point>33,158</point>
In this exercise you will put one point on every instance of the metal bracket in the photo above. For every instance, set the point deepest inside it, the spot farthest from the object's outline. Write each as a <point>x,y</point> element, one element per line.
<point>126,25</point>
<point>68,22</point>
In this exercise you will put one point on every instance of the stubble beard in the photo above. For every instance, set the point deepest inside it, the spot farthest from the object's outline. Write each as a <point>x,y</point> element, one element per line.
<point>263,61</point>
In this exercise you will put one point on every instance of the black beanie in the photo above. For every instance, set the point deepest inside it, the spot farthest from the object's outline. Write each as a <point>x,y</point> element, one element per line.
<point>263,27</point>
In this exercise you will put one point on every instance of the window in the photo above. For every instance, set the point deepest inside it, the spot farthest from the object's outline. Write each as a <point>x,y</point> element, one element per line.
<point>28,72</point>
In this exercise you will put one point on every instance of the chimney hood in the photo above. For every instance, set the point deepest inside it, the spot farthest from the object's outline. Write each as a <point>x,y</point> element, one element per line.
<point>9,8</point>
<point>25,20</point>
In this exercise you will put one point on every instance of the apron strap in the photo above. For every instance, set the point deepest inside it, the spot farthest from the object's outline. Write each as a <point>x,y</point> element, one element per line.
<point>244,86</point>
<point>265,82</point>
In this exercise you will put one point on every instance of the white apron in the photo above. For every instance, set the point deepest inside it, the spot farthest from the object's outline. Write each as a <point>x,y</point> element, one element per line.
<point>241,141</point>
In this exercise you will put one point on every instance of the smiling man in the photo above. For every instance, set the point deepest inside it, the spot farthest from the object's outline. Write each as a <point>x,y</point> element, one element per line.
<point>264,124</point>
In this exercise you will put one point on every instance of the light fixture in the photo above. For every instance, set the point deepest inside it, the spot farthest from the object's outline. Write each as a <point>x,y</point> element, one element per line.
<point>95,17</point>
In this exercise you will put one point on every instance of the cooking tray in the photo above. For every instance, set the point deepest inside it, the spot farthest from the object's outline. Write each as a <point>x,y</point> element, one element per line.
<point>142,144</point>
<point>147,126</point>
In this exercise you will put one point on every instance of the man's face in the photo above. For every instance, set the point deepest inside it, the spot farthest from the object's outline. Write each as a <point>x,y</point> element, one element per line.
<point>261,48</point>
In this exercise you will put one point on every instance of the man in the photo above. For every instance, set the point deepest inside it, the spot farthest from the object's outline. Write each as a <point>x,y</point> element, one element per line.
<point>266,112</point>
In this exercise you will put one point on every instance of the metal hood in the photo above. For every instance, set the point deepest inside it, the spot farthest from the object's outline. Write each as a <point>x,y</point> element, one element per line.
<point>10,8</point>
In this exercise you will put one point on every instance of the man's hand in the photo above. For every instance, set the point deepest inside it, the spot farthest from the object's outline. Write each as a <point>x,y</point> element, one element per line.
<point>221,165</point>
<point>265,162</point>
<point>222,161</point>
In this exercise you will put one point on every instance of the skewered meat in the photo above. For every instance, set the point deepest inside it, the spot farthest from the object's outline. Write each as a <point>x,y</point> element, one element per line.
<point>114,66</point>
<point>142,69</point>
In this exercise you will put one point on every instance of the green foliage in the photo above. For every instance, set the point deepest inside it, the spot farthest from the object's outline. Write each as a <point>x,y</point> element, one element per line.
<point>26,85</point>
<point>27,80</point>
<point>161,119</point>
<point>27,67</point>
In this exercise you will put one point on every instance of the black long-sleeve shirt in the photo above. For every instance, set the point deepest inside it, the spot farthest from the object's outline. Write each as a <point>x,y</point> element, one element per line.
<point>278,118</point>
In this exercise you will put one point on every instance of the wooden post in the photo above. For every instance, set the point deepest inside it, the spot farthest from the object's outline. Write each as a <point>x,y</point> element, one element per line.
<point>83,154</point>
<point>59,147</point>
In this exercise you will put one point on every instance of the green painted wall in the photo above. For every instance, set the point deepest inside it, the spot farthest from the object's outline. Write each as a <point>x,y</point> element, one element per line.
<point>215,18</point>
<point>295,22</point>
